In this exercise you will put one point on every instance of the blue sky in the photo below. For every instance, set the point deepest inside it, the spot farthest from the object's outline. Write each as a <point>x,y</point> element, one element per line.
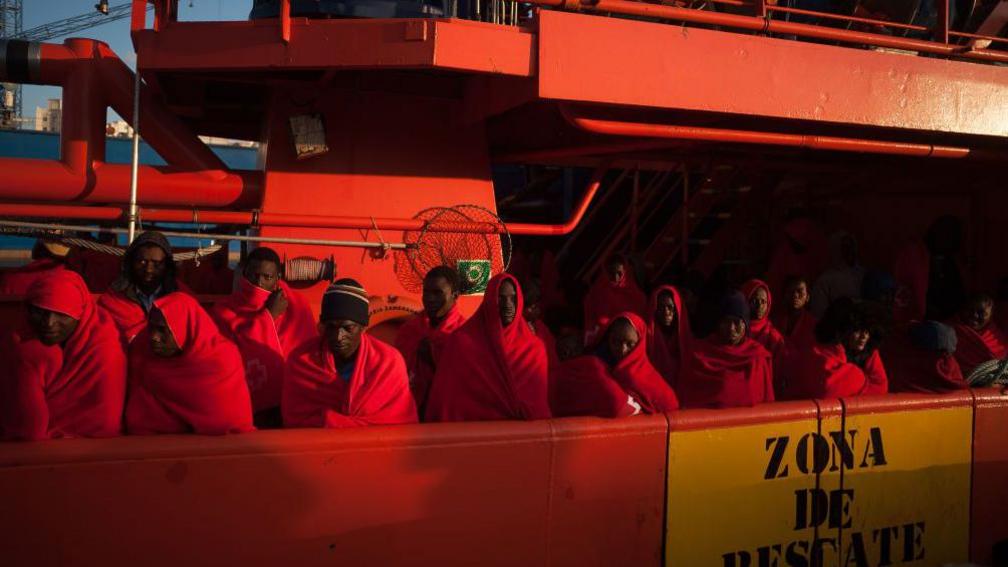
<point>116,34</point>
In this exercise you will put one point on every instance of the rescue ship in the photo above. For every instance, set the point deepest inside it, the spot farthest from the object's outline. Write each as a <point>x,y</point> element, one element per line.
<point>399,135</point>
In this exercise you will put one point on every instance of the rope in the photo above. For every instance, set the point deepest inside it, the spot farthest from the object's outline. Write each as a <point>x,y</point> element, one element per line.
<point>989,373</point>
<point>309,269</point>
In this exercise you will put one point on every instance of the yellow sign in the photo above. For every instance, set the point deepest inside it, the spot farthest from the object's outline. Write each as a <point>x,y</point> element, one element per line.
<point>871,490</point>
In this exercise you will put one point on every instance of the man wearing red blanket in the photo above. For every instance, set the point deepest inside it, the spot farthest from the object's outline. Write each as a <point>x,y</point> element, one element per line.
<point>346,378</point>
<point>617,380</point>
<point>421,340</point>
<point>184,375</point>
<point>148,272</point>
<point>727,369</point>
<point>494,367</point>
<point>67,368</point>
<point>614,292</point>
<point>267,320</point>
<point>979,339</point>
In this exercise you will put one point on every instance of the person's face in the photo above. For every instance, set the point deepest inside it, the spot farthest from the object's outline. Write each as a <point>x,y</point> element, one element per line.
<point>342,336</point>
<point>731,330</point>
<point>759,303</point>
<point>507,298</point>
<point>568,346</point>
<point>51,327</point>
<point>857,340</point>
<point>438,297</point>
<point>666,311</point>
<point>616,272</point>
<point>263,274</point>
<point>797,294</point>
<point>533,310</point>
<point>978,314</point>
<point>149,266</point>
<point>622,339</point>
<point>162,341</point>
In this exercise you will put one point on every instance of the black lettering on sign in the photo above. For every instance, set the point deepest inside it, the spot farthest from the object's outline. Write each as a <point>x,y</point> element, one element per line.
<point>769,555</point>
<point>874,449</point>
<point>913,544</point>
<point>819,551</point>
<point>820,448</point>
<point>797,554</point>
<point>813,506</point>
<point>845,449</point>
<point>774,469</point>
<point>856,554</point>
<point>885,537</point>
<point>743,557</point>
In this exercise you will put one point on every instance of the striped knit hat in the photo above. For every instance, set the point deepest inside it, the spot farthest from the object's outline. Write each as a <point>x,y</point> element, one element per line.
<point>345,299</point>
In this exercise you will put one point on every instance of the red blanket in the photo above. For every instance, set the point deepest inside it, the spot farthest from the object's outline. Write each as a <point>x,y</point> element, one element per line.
<point>824,372</point>
<point>975,348</point>
<point>724,376</point>
<point>377,393</point>
<point>18,280</point>
<point>76,390</point>
<point>202,390</point>
<point>490,371</point>
<point>605,300</point>
<point>584,386</point>
<point>548,340</point>
<point>664,350</point>
<point>264,342</point>
<point>411,335</point>
<point>763,330</point>
<point>914,369</point>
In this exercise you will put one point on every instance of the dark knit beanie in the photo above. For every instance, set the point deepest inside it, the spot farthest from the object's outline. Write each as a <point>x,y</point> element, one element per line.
<point>933,336</point>
<point>345,299</point>
<point>735,305</point>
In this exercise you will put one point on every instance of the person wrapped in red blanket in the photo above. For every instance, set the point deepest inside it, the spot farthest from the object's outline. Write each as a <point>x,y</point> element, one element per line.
<point>48,257</point>
<point>614,292</point>
<point>617,380</point>
<point>494,368</point>
<point>66,366</point>
<point>668,332</point>
<point>923,360</point>
<point>761,328</point>
<point>346,378</point>
<point>534,315</point>
<point>148,272</point>
<point>184,375</point>
<point>421,340</point>
<point>843,361</point>
<point>979,339</point>
<point>727,369</point>
<point>267,320</point>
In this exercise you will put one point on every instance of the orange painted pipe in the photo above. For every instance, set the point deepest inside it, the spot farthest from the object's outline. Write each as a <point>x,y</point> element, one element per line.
<point>250,218</point>
<point>644,130</point>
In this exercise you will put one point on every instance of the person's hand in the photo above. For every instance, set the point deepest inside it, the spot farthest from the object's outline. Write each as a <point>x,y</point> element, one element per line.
<point>277,303</point>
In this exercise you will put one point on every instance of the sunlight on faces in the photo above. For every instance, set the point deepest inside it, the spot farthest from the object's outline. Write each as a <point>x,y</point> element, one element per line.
<point>508,302</point>
<point>759,303</point>
<point>731,330</point>
<point>51,327</point>
<point>264,274</point>
<point>622,339</point>
<point>438,297</point>
<point>149,267</point>
<point>342,336</point>
<point>665,313</point>
<point>162,341</point>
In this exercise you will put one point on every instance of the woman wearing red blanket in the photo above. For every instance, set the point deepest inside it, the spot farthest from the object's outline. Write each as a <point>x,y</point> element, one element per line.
<point>267,320</point>
<point>346,378</point>
<point>980,339</point>
<point>923,360</point>
<point>617,380</point>
<point>184,375</point>
<point>68,374</point>
<point>494,367</point>
<point>761,328</point>
<point>843,361</point>
<point>727,369</point>
<point>668,332</point>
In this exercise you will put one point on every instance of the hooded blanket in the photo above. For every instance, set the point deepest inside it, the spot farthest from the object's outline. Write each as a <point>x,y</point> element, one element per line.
<point>665,351</point>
